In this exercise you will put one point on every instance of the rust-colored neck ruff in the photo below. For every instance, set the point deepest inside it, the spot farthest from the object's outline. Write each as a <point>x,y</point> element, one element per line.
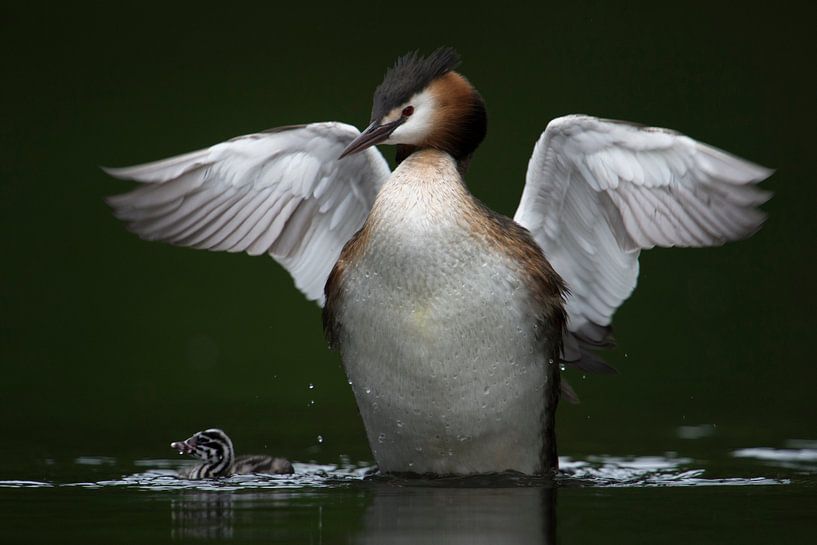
<point>460,121</point>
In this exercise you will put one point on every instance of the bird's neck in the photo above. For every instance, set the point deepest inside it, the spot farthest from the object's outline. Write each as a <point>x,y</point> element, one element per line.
<point>460,124</point>
<point>215,468</point>
<point>464,131</point>
<point>430,168</point>
<point>405,150</point>
<point>425,189</point>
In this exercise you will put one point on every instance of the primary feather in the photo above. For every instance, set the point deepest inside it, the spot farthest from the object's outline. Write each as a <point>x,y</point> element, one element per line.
<point>598,192</point>
<point>281,192</point>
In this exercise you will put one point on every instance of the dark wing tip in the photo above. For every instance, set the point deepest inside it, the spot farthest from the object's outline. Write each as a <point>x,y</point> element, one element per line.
<point>580,348</point>
<point>568,392</point>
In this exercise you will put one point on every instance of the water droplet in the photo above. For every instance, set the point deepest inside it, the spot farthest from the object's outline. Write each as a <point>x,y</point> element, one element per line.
<point>418,449</point>
<point>311,386</point>
<point>486,391</point>
<point>367,390</point>
<point>399,423</point>
<point>320,439</point>
<point>310,403</point>
<point>550,361</point>
<point>349,382</point>
<point>562,367</point>
<point>381,437</point>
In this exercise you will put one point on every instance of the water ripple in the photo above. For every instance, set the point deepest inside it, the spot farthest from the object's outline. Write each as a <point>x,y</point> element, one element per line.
<point>802,459</point>
<point>594,471</point>
<point>647,471</point>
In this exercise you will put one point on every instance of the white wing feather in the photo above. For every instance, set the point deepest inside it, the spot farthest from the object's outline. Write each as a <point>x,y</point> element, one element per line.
<point>598,191</point>
<point>282,192</point>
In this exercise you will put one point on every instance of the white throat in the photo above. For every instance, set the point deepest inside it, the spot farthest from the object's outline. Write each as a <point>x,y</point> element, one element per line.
<point>419,125</point>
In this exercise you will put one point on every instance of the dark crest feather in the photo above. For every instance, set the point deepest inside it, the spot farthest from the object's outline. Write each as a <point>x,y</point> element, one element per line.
<point>410,75</point>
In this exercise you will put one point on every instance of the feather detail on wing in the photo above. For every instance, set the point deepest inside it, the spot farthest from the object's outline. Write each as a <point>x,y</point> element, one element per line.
<point>598,192</point>
<point>282,192</point>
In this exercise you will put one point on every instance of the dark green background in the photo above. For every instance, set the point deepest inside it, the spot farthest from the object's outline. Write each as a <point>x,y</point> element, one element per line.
<point>114,346</point>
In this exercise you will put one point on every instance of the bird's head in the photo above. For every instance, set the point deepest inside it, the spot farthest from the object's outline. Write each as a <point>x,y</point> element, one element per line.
<point>211,446</point>
<point>424,103</point>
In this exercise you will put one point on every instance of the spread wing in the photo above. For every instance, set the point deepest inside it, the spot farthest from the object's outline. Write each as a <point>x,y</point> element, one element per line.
<point>597,192</point>
<point>282,192</point>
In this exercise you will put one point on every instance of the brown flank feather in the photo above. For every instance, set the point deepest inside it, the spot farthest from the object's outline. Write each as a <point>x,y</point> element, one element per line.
<point>332,290</point>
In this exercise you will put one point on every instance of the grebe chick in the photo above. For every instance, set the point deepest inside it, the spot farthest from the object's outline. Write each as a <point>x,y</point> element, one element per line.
<point>215,449</point>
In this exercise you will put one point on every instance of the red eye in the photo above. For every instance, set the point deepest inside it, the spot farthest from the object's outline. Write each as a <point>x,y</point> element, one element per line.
<point>408,110</point>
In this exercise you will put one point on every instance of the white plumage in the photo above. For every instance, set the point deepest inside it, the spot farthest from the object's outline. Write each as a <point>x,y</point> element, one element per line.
<point>440,340</point>
<point>281,192</point>
<point>597,192</point>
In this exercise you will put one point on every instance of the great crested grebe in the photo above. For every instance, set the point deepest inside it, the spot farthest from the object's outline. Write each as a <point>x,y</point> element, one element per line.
<point>215,449</point>
<point>451,320</point>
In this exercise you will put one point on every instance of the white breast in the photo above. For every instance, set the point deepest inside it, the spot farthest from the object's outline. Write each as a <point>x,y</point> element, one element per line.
<point>438,334</point>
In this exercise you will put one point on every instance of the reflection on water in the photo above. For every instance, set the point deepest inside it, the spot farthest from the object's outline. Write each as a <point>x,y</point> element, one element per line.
<point>202,515</point>
<point>343,503</point>
<point>395,514</point>
<point>408,515</point>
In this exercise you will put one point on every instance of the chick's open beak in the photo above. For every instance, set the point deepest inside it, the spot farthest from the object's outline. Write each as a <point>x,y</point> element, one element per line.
<point>184,447</point>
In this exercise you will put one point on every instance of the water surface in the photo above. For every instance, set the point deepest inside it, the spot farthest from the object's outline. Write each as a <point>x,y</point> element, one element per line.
<point>633,499</point>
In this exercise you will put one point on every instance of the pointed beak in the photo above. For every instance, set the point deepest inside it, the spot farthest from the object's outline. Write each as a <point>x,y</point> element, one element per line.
<point>184,447</point>
<point>374,134</point>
